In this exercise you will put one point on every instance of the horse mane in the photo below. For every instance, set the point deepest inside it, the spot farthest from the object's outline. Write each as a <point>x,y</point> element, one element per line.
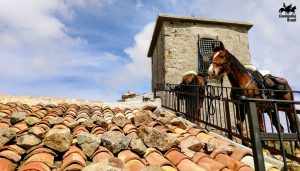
<point>236,63</point>
<point>256,75</point>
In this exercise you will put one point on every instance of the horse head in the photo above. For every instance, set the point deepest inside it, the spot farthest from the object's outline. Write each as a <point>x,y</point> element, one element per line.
<point>219,62</point>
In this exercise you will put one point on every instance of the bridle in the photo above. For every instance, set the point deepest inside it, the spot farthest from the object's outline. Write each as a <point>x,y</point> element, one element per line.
<point>221,64</point>
<point>225,63</point>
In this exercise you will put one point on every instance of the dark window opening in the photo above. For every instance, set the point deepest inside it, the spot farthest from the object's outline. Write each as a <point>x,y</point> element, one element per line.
<point>204,54</point>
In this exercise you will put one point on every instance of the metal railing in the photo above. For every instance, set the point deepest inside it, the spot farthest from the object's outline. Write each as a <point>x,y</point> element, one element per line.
<point>215,108</point>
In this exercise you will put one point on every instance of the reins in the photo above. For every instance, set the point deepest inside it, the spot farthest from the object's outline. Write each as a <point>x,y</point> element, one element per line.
<point>211,109</point>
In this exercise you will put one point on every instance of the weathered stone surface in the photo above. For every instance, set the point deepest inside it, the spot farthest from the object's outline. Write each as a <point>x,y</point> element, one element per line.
<point>115,141</point>
<point>6,134</point>
<point>88,123</point>
<point>186,143</point>
<point>166,118</point>
<point>197,147</point>
<point>76,123</point>
<point>88,142</point>
<point>211,145</point>
<point>142,118</point>
<point>58,139</point>
<point>56,120</point>
<point>151,107</point>
<point>37,131</point>
<point>154,138</point>
<point>138,146</point>
<point>178,122</point>
<point>112,164</point>
<point>85,137</point>
<point>17,117</point>
<point>225,149</point>
<point>99,121</point>
<point>27,141</point>
<point>32,120</point>
<point>120,120</point>
<point>89,148</point>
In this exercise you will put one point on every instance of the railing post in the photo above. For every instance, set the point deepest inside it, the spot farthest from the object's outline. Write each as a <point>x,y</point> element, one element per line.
<point>280,136</point>
<point>255,136</point>
<point>177,107</point>
<point>228,119</point>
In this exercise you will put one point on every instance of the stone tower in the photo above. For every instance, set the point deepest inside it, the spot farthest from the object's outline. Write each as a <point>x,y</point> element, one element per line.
<point>174,47</point>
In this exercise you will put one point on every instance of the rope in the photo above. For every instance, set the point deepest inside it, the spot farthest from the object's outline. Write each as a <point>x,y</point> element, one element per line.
<point>211,109</point>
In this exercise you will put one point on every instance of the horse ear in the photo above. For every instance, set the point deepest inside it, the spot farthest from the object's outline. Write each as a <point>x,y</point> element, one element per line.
<point>222,46</point>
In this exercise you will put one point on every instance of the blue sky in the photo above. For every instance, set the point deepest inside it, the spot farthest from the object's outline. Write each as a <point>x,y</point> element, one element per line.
<point>96,49</point>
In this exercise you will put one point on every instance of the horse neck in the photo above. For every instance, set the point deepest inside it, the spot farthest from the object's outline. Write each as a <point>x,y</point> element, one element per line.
<point>237,77</point>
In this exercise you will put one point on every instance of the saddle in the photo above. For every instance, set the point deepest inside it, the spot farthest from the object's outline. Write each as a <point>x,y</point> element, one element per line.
<point>272,82</point>
<point>265,80</point>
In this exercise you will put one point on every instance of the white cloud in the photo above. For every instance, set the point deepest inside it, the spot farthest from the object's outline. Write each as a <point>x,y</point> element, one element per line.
<point>140,65</point>
<point>35,45</point>
<point>32,21</point>
<point>138,53</point>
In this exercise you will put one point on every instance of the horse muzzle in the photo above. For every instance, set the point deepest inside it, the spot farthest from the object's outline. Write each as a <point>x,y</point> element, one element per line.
<point>211,74</point>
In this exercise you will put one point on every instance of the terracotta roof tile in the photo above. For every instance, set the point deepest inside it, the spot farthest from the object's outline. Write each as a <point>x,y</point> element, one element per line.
<point>101,153</point>
<point>238,153</point>
<point>39,166</point>
<point>11,155</point>
<point>14,148</point>
<point>98,120</point>
<point>74,149</point>
<point>210,164</point>
<point>102,156</point>
<point>46,158</point>
<point>154,157</point>
<point>134,165</point>
<point>175,156</point>
<point>187,164</point>
<point>7,165</point>
<point>127,156</point>
<point>73,158</point>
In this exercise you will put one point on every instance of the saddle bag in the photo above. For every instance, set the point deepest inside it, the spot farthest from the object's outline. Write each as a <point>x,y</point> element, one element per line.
<point>275,82</point>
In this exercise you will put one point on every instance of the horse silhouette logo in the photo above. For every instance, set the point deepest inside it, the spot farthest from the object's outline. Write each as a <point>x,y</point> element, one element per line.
<point>288,9</point>
<point>289,12</point>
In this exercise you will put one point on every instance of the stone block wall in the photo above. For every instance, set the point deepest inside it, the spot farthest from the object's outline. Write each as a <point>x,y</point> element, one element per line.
<point>158,67</point>
<point>180,49</point>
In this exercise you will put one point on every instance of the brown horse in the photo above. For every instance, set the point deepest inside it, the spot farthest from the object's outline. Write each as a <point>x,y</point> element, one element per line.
<point>223,62</point>
<point>191,90</point>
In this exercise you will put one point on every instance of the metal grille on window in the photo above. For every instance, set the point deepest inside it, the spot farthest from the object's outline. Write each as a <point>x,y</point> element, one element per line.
<point>205,51</point>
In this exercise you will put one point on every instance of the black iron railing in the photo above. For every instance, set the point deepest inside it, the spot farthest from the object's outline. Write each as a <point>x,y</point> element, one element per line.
<point>214,108</point>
